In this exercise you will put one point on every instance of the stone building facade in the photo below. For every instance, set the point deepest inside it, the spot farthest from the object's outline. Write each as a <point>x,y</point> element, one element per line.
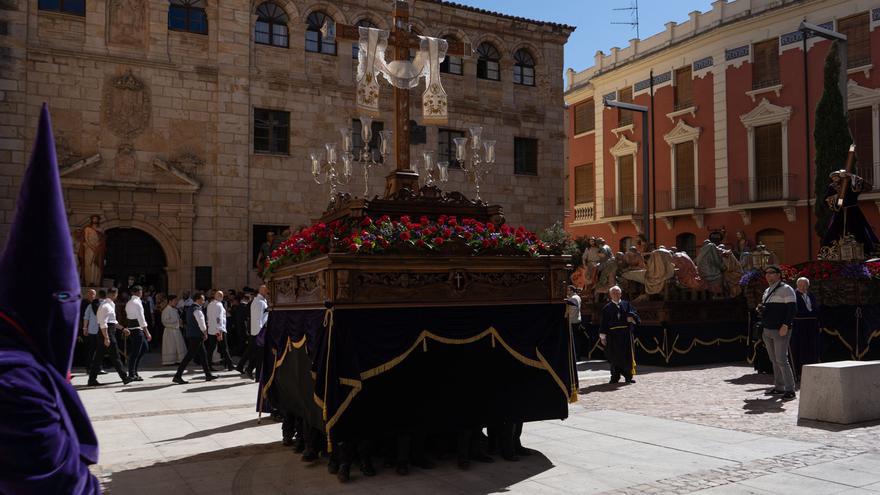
<point>154,105</point>
<point>731,147</point>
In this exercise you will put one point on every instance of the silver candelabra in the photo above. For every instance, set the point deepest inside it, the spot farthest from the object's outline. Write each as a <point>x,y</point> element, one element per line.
<point>433,171</point>
<point>475,164</point>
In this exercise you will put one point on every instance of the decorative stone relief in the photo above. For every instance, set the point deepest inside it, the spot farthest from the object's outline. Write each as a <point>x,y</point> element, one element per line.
<point>127,22</point>
<point>126,106</point>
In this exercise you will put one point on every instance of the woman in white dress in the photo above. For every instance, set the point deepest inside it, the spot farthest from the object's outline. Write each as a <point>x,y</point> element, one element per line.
<point>173,345</point>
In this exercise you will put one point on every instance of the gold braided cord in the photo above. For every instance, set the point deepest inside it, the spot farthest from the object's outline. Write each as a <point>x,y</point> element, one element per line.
<point>275,365</point>
<point>874,334</point>
<point>835,333</point>
<point>696,341</point>
<point>298,345</point>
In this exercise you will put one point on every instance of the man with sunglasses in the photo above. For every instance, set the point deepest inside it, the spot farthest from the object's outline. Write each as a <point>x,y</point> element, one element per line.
<point>778,308</point>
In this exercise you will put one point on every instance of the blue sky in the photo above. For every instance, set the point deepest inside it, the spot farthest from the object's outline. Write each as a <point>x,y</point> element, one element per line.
<point>593,20</point>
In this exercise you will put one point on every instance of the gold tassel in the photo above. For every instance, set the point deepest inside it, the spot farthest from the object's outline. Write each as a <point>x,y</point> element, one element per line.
<point>425,345</point>
<point>493,340</point>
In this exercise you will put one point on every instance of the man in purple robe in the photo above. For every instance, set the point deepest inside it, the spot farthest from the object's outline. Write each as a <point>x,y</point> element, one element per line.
<point>46,438</point>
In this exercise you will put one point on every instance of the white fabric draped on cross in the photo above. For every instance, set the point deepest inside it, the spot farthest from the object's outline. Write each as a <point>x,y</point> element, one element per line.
<point>401,74</point>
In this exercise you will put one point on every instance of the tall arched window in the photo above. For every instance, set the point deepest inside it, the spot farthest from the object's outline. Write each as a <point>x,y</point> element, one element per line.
<point>488,62</point>
<point>451,64</point>
<point>524,69</point>
<point>687,242</point>
<point>354,47</point>
<point>188,15</point>
<point>319,25</point>
<point>774,240</point>
<point>271,27</point>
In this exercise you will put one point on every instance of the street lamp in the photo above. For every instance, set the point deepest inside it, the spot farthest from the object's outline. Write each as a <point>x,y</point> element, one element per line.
<point>811,29</point>
<point>646,217</point>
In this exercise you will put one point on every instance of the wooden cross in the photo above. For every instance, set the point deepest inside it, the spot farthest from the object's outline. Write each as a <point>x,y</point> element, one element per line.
<point>459,283</point>
<point>401,40</point>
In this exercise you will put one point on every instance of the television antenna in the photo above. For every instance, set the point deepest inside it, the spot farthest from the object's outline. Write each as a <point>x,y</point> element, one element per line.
<point>634,16</point>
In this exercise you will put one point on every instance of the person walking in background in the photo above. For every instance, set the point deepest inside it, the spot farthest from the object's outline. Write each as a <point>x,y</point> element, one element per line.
<point>778,308</point>
<point>173,344</point>
<point>241,317</point>
<point>616,333</point>
<point>217,337</point>
<point>805,334</point>
<point>136,322</point>
<point>106,339</point>
<point>196,335</point>
<point>259,315</point>
<point>574,321</point>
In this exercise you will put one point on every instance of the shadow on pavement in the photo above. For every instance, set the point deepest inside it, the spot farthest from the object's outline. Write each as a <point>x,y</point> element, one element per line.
<point>216,387</point>
<point>146,388</point>
<point>272,468</point>
<point>762,406</point>
<point>241,425</point>
<point>752,379</point>
<point>602,387</point>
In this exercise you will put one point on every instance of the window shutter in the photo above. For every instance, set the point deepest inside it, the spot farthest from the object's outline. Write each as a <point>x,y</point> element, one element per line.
<point>858,43</point>
<point>584,184</point>
<point>768,162</point>
<point>860,125</point>
<point>683,88</point>
<point>684,175</point>
<point>625,95</point>
<point>765,64</point>
<point>627,198</point>
<point>584,117</point>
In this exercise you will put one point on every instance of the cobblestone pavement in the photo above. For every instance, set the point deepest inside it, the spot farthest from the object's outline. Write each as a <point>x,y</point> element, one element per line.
<point>729,397</point>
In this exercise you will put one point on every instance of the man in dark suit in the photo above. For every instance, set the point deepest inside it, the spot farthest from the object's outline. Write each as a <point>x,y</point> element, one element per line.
<point>616,332</point>
<point>805,336</point>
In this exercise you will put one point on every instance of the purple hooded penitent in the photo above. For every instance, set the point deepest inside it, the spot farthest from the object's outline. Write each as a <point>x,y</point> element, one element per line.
<point>46,438</point>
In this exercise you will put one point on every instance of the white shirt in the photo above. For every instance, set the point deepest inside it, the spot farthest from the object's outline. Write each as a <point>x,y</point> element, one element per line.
<point>259,315</point>
<point>170,317</point>
<point>106,313</point>
<point>200,318</point>
<point>574,310</point>
<point>216,317</point>
<point>134,310</point>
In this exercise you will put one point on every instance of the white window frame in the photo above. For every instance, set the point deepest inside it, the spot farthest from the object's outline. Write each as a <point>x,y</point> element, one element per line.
<point>767,113</point>
<point>683,133</point>
<point>860,97</point>
<point>624,147</point>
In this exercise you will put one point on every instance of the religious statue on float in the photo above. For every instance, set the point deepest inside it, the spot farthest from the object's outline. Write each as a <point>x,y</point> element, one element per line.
<point>848,228</point>
<point>92,247</point>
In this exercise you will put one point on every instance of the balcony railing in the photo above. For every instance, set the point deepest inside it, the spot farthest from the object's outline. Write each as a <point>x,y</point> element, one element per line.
<point>768,188</point>
<point>685,199</point>
<point>629,205</point>
<point>585,212</point>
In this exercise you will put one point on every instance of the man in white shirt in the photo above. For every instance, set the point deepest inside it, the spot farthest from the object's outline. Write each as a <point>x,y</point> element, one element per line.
<point>196,335</point>
<point>136,323</point>
<point>217,331</point>
<point>253,356</point>
<point>107,324</point>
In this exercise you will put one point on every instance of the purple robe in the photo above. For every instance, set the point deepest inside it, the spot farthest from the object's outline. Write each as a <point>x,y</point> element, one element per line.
<point>46,438</point>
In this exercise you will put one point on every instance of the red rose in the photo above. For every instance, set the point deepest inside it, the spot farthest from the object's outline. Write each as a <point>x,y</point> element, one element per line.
<point>420,243</point>
<point>404,236</point>
<point>353,248</point>
<point>479,229</point>
<point>424,220</point>
<point>486,243</point>
<point>366,222</point>
<point>438,241</point>
<point>405,219</point>
<point>452,221</point>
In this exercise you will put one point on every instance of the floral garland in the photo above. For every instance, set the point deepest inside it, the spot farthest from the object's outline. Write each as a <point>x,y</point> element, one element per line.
<point>817,271</point>
<point>386,235</point>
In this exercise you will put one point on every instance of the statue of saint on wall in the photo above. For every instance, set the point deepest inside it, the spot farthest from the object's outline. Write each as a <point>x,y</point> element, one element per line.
<point>126,22</point>
<point>91,253</point>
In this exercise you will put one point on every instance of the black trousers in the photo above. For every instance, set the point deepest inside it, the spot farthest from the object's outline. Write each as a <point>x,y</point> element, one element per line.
<point>619,352</point>
<point>137,346</point>
<point>253,356</point>
<point>194,348</point>
<point>223,348</point>
<point>97,343</point>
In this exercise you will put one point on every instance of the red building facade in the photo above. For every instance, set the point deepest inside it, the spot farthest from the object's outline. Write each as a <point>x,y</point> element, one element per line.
<point>730,138</point>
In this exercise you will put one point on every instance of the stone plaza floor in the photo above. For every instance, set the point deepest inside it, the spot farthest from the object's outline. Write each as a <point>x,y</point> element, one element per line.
<point>706,430</point>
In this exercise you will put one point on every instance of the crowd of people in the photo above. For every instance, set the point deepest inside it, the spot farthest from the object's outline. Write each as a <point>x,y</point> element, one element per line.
<point>205,327</point>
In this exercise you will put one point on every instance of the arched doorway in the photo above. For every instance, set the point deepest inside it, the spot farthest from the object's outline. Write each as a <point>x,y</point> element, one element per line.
<point>135,253</point>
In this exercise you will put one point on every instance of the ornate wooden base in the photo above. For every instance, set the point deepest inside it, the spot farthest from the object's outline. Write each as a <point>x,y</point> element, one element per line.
<point>359,281</point>
<point>429,201</point>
